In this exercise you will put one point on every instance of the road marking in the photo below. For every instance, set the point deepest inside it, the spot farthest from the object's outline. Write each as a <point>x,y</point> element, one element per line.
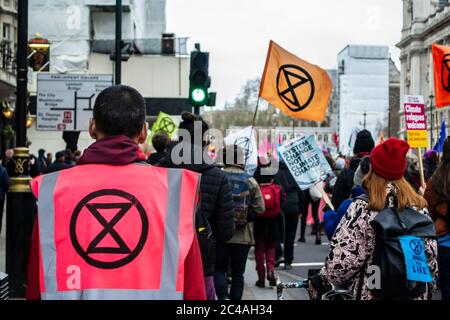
<point>307,264</point>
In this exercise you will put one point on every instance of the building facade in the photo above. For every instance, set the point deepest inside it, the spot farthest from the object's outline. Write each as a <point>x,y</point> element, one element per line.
<point>393,125</point>
<point>8,48</point>
<point>425,22</point>
<point>82,38</point>
<point>363,86</point>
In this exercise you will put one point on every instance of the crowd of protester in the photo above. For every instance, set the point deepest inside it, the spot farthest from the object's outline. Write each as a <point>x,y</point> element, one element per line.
<point>238,211</point>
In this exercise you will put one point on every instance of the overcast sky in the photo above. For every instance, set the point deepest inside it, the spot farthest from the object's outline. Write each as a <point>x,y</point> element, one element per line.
<point>237,32</point>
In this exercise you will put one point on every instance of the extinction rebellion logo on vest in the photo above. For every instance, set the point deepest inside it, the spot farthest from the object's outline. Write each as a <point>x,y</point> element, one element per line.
<point>295,87</point>
<point>99,228</point>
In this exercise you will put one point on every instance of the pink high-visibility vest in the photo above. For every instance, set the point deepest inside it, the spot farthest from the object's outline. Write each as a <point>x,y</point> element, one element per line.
<point>115,232</point>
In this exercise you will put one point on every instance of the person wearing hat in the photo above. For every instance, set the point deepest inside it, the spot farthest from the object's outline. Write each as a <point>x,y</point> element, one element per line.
<point>59,164</point>
<point>216,200</point>
<point>353,244</point>
<point>344,184</point>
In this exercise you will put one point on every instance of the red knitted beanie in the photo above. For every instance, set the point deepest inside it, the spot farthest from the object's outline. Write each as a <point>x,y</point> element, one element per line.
<point>388,160</point>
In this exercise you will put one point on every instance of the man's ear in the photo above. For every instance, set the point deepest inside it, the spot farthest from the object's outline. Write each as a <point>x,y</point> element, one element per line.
<point>144,133</point>
<point>92,129</point>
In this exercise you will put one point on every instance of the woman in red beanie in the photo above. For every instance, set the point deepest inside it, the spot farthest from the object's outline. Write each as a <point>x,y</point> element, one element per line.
<point>353,243</point>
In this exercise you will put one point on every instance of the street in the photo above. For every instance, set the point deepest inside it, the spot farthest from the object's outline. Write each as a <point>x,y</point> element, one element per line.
<point>306,256</point>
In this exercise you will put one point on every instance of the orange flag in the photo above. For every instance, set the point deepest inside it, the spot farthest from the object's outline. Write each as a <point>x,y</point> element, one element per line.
<point>441,57</point>
<point>299,89</point>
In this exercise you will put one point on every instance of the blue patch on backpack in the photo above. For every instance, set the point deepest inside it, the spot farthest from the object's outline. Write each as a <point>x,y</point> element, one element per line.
<point>417,268</point>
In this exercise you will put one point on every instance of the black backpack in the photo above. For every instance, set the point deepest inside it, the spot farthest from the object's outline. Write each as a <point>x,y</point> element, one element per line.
<point>388,255</point>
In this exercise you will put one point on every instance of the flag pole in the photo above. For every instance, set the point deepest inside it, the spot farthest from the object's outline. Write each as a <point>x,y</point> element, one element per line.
<point>251,130</point>
<point>422,177</point>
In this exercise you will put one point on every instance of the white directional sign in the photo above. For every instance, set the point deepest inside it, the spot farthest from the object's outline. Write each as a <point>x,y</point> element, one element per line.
<point>66,101</point>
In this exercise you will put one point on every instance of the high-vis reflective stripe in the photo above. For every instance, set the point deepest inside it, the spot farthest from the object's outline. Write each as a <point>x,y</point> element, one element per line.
<point>172,254</point>
<point>47,230</point>
<point>170,260</point>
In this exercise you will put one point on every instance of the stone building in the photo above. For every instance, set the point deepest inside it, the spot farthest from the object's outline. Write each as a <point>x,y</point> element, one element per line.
<point>424,22</point>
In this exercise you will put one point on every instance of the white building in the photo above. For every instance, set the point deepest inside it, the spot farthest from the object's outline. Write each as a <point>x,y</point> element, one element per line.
<point>424,22</point>
<point>363,91</point>
<point>82,35</point>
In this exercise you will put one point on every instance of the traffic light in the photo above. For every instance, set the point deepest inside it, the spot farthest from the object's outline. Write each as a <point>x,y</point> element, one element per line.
<point>199,80</point>
<point>39,53</point>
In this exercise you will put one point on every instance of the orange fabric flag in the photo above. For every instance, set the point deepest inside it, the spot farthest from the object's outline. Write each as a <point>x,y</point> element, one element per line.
<point>299,89</point>
<point>441,57</point>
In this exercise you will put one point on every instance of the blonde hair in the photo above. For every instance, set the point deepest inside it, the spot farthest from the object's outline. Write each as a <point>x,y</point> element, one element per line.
<point>376,187</point>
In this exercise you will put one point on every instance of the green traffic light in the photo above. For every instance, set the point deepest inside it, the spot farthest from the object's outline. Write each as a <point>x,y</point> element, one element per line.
<point>198,95</point>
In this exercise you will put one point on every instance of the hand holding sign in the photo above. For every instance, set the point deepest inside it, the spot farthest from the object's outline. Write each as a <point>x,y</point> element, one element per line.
<point>307,164</point>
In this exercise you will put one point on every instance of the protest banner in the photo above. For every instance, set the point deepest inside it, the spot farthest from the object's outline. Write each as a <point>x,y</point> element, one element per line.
<point>166,123</point>
<point>306,163</point>
<point>441,58</point>
<point>416,127</point>
<point>245,139</point>
<point>298,88</point>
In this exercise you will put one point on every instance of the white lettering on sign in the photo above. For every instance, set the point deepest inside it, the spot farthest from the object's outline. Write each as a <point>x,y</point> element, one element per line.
<point>66,101</point>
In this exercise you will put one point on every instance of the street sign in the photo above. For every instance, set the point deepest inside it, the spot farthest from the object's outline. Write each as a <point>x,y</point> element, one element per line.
<point>416,121</point>
<point>65,101</point>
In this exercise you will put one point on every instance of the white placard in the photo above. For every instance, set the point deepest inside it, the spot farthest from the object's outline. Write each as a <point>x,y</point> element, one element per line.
<point>65,101</point>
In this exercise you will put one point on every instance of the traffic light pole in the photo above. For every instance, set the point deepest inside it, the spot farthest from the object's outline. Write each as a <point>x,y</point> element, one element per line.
<point>118,50</point>
<point>20,202</point>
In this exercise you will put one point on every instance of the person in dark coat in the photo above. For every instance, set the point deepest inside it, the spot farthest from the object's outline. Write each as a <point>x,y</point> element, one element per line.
<point>216,202</point>
<point>342,189</point>
<point>291,209</point>
<point>430,164</point>
<point>40,163</point>
<point>160,140</point>
<point>59,164</point>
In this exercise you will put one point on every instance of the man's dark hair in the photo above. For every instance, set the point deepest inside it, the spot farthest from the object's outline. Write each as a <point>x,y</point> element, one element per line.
<point>160,141</point>
<point>119,110</point>
<point>60,154</point>
<point>188,120</point>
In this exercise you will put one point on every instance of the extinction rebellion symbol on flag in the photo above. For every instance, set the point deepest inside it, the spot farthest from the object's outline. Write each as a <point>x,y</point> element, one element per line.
<point>295,87</point>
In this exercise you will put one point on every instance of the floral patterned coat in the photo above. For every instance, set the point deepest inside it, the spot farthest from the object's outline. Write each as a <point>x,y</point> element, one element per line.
<point>353,244</point>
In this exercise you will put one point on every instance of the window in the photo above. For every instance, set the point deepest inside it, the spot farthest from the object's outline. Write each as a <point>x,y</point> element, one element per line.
<point>6,3</point>
<point>325,138</point>
<point>6,31</point>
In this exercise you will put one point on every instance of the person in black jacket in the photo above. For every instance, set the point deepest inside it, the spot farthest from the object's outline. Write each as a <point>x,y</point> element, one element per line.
<point>291,208</point>
<point>216,202</point>
<point>342,189</point>
<point>160,140</point>
<point>59,164</point>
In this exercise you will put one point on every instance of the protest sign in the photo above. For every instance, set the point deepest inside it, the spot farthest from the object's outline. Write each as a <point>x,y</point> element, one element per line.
<point>245,139</point>
<point>305,161</point>
<point>416,121</point>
